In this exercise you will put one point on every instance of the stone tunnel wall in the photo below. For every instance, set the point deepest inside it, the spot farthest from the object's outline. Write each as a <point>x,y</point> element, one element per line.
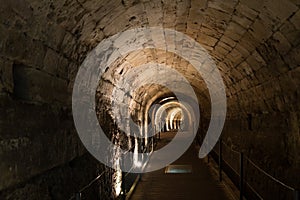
<point>43,43</point>
<point>40,152</point>
<point>263,113</point>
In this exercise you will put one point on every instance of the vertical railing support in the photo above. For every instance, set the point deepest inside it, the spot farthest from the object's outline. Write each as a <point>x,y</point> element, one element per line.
<point>297,195</point>
<point>78,196</point>
<point>220,160</point>
<point>159,135</point>
<point>160,129</point>
<point>123,187</point>
<point>241,175</point>
<point>152,144</point>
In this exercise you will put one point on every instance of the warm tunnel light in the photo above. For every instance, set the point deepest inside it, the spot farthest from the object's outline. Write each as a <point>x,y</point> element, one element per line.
<point>172,115</point>
<point>162,114</point>
<point>166,99</point>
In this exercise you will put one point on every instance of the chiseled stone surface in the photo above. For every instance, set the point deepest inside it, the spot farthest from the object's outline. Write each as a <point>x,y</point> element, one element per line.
<point>42,43</point>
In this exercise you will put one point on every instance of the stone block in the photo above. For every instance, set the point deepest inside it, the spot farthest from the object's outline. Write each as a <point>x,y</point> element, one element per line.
<point>224,46</point>
<point>244,84</point>
<point>279,9</point>
<point>6,75</point>
<point>34,54</point>
<point>259,58</point>
<point>295,75</point>
<point>19,46</point>
<point>36,139</point>
<point>249,8</point>
<point>182,9</point>
<point>235,36</point>
<point>267,51</point>
<point>196,16</point>
<point>4,33</point>
<point>68,44</point>
<point>51,61</point>
<point>263,75</point>
<point>246,68</point>
<point>242,21</point>
<point>14,45</point>
<point>290,33</point>
<point>181,27</point>
<point>235,28</point>
<point>260,30</point>
<point>224,6</point>
<point>281,43</point>
<point>37,86</point>
<point>97,5</point>
<point>221,50</point>
<point>236,74</point>
<point>62,68</point>
<point>295,20</point>
<point>228,41</point>
<point>296,2</point>
<point>211,31</point>
<point>235,56</point>
<point>217,17</point>
<point>199,4</point>
<point>249,42</point>
<point>206,40</point>
<point>242,50</point>
<point>293,58</point>
<point>55,36</point>
<point>22,8</point>
<point>287,85</point>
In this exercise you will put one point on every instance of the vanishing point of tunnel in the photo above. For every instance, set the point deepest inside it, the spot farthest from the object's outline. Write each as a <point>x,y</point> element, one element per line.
<point>149,99</point>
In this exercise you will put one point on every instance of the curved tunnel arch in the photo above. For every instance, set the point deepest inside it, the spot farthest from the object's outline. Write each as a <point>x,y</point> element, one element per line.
<point>255,45</point>
<point>161,115</point>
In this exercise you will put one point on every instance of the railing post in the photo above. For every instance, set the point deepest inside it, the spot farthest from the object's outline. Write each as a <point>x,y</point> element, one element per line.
<point>153,143</point>
<point>123,188</point>
<point>241,175</point>
<point>161,129</point>
<point>297,195</point>
<point>220,160</point>
<point>78,196</point>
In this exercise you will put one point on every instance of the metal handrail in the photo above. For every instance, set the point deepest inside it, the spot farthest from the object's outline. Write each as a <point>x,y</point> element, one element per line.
<point>89,184</point>
<point>270,176</point>
<point>261,170</point>
<point>74,196</point>
<point>147,147</point>
<point>232,168</point>
<point>255,166</point>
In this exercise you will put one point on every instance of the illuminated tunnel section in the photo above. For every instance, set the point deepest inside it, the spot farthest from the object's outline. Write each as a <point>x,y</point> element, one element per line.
<point>170,111</point>
<point>43,44</point>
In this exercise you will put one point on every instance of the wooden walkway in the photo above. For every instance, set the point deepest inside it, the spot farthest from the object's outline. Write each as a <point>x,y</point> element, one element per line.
<point>200,184</point>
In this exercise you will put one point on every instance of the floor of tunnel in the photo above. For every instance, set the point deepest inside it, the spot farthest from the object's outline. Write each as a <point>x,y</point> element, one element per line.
<point>199,184</point>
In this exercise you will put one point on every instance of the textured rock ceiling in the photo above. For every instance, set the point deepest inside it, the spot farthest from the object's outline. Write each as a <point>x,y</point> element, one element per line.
<point>255,43</point>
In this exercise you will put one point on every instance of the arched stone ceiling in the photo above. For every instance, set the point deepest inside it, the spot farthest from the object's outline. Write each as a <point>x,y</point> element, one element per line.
<point>151,92</point>
<point>255,43</point>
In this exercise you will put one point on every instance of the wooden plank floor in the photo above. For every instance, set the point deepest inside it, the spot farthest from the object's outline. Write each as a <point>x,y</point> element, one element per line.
<point>200,184</point>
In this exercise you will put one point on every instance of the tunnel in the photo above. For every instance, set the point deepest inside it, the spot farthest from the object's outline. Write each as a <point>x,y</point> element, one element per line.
<point>149,99</point>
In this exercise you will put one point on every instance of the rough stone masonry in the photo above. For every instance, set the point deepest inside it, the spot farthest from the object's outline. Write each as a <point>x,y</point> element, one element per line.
<point>42,43</point>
